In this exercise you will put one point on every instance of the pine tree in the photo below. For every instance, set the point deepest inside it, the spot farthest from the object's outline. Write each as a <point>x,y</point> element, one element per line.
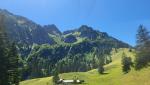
<point>3,54</point>
<point>100,69</point>
<point>8,58</point>
<point>101,62</point>
<point>55,76</point>
<point>126,63</point>
<point>101,65</point>
<point>13,65</point>
<point>142,36</point>
<point>142,48</point>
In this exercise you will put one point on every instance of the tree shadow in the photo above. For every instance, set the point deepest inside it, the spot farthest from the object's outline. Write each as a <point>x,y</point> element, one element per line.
<point>105,73</point>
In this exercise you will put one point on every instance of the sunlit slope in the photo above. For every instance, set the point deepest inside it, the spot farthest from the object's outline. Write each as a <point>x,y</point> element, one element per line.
<point>38,81</point>
<point>113,74</point>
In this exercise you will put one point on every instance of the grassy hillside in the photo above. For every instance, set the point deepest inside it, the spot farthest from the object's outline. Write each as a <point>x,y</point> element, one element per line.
<point>113,74</point>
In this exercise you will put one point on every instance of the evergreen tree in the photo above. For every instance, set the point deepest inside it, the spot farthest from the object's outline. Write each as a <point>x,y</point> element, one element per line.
<point>55,76</point>
<point>126,63</point>
<point>142,36</point>
<point>8,58</point>
<point>101,65</point>
<point>101,62</point>
<point>100,69</point>
<point>3,54</point>
<point>13,65</point>
<point>142,48</point>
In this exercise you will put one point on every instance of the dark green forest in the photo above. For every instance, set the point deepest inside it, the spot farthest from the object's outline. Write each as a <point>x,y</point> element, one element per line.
<point>9,72</point>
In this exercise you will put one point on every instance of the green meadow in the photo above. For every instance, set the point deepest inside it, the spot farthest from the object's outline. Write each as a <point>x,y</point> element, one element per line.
<point>113,74</point>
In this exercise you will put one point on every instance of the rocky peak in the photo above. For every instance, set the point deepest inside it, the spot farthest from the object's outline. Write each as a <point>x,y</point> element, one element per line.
<point>52,29</point>
<point>85,28</point>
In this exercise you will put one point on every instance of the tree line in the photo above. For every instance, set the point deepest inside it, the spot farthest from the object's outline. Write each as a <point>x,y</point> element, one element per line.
<point>9,72</point>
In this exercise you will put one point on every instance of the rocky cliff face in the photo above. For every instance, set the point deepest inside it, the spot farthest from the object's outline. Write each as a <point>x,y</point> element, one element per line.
<point>23,30</point>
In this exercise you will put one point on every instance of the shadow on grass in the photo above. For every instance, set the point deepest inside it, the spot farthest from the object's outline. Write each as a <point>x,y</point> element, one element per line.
<point>105,73</point>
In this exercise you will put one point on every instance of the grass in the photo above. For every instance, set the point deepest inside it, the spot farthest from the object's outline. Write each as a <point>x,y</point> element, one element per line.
<point>113,74</point>
<point>38,81</point>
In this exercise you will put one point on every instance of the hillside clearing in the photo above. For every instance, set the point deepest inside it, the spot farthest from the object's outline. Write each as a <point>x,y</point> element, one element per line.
<point>113,74</point>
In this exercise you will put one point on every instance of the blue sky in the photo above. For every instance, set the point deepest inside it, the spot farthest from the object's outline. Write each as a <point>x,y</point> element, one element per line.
<point>119,18</point>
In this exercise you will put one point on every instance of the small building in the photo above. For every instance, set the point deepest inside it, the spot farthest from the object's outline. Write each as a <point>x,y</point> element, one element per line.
<point>63,81</point>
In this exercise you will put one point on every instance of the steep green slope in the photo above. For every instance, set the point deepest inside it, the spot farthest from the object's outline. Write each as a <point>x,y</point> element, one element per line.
<point>113,76</point>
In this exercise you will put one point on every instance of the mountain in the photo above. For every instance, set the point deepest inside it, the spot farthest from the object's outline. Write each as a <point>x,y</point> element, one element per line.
<point>52,29</point>
<point>86,32</point>
<point>43,49</point>
<point>23,30</point>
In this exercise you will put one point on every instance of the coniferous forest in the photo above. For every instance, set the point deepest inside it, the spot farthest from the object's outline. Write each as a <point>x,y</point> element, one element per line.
<point>9,72</point>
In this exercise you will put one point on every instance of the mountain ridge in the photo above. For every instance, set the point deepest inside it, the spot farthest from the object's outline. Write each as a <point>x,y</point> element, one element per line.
<point>42,49</point>
<point>30,26</point>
